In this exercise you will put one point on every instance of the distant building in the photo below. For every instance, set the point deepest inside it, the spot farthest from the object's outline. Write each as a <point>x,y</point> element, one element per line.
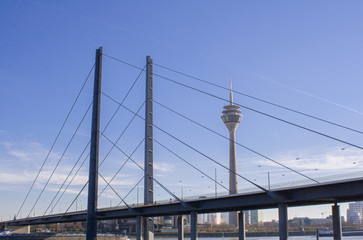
<point>301,221</point>
<point>321,221</point>
<point>355,213</point>
<point>225,217</point>
<point>212,218</point>
<point>202,218</point>
<point>305,221</point>
<point>253,216</point>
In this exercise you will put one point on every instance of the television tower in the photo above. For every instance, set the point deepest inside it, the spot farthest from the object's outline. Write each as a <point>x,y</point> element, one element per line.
<point>231,118</point>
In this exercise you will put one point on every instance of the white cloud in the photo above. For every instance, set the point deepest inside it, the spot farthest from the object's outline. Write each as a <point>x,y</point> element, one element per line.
<point>58,178</point>
<point>25,151</point>
<point>21,161</point>
<point>14,178</point>
<point>164,167</point>
<point>333,160</point>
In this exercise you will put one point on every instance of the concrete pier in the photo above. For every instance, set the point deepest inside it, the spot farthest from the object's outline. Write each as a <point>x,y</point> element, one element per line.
<point>337,226</point>
<point>138,228</point>
<point>283,224</point>
<point>180,227</point>
<point>241,226</point>
<point>193,226</point>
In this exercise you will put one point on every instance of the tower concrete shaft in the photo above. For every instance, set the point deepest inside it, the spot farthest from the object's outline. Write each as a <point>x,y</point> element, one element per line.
<point>233,183</point>
<point>231,118</point>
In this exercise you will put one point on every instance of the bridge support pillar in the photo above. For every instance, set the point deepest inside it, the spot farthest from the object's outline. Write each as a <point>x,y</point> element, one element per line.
<point>241,226</point>
<point>180,227</point>
<point>148,228</point>
<point>337,226</point>
<point>193,226</point>
<point>138,228</point>
<point>283,223</point>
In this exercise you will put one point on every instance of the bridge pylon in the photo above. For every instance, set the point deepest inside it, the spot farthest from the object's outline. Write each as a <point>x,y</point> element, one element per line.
<point>91,233</point>
<point>148,223</point>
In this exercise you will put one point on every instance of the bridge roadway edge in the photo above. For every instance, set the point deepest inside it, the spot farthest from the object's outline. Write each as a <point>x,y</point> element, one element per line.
<point>337,192</point>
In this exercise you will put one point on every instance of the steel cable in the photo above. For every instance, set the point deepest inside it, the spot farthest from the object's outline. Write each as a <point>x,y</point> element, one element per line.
<point>194,149</point>
<point>249,149</point>
<point>69,143</point>
<point>108,123</point>
<point>56,139</point>
<point>178,156</point>
<point>262,113</point>
<point>74,166</point>
<point>138,165</point>
<point>118,171</point>
<point>260,100</point>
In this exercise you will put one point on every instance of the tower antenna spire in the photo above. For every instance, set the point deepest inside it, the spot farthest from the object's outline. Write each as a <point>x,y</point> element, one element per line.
<point>230,92</point>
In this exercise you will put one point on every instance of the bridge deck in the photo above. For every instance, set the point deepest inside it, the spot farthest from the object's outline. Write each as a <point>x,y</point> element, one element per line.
<point>342,191</point>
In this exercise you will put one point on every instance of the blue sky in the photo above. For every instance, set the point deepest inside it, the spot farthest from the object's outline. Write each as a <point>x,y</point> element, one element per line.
<point>304,55</point>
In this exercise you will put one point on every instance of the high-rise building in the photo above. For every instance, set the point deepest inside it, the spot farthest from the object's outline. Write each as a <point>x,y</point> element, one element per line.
<point>231,118</point>
<point>253,216</point>
<point>355,213</point>
<point>202,218</point>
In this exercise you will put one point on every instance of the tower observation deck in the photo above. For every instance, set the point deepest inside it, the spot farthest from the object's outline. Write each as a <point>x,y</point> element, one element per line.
<point>231,118</point>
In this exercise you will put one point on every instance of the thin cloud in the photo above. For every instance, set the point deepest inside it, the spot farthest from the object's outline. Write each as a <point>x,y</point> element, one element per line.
<point>303,92</point>
<point>164,167</point>
<point>24,151</point>
<point>11,178</point>
<point>327,159</point>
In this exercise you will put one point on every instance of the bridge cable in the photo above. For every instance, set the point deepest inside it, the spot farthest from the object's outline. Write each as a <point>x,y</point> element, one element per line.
<point>119,196</point>
<point>122,199</point>
<point>64,182</point>
<point>87,157</point>
<point>87,181</point>
<point>259,99</point>
<point>118,139</point>
<point>84,186</point>
<point>258,186</point>
<point>118,171</point>
<point>240,93</point>
<point>56,139</point>
<point>123,62</point>
<point>251,109</point>
<point>249,149</point>
<point>262,113</point>
<point>138,165</point>
<point>128,92</point>
<point>74,177</point>
<point>214,131</point>
<point>69,143</point>
<point>108,184</point>
<point>109,150</point>
<point>132,189</point>
<point>178,156</point>
<point>206,156</point>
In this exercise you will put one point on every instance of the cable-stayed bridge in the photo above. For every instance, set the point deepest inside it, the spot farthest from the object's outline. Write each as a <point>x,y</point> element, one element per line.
<point>194,185</point>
